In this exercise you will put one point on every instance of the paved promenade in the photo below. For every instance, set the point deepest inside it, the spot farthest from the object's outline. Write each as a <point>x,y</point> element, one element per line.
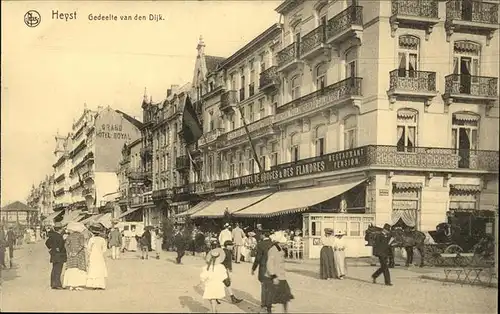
<point>136,285</point>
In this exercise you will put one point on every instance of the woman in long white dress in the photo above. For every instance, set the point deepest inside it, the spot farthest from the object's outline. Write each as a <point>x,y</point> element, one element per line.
<point>339,255</point>
<point>97,270</point>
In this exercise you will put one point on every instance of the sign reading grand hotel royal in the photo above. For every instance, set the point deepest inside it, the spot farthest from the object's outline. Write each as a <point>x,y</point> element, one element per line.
<point>335,161</point>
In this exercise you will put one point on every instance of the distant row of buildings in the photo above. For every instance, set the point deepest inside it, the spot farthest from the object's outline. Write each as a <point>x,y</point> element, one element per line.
<point>346,114</point>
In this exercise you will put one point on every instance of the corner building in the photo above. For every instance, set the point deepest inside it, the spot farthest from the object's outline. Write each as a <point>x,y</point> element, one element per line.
<point>377,112</point>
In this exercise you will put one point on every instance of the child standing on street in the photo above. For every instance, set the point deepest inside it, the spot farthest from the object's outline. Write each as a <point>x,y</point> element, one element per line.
<point>228,250</point>
<point>212,276</point>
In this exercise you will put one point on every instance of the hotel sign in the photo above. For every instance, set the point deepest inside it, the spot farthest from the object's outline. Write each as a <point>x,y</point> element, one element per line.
<point>335,161</point>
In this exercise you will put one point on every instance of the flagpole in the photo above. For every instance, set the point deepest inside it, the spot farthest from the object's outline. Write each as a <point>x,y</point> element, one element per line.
<point>256,158</point>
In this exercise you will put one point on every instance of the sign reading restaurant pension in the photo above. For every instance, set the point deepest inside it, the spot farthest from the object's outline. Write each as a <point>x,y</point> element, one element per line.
<point>335,161</point>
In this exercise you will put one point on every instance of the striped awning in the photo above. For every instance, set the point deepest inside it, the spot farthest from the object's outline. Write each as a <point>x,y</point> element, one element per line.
<point>50,218</point>
<point>231,204</point>
<point>74,215</point>
<point>129,212</point>
<point>407,185</point>
<point>467,188</point>
<point>467,46</point>
<point>406,114</point>
<point>196,208</point>
<point>91,218</point>
<point>409,42</point>
<point>466,117</point>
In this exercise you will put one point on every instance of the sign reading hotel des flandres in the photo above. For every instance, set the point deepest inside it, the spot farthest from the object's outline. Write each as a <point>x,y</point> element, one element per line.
<point>335,161</point>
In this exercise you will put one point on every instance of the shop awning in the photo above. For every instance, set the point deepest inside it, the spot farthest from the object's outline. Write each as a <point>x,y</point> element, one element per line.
<point>295,200</point>
<point>130,211</point>
<point>50,218</point>
<point>91,219</point>
<point>218,207</point>
<point>196,208</point>
<point>74,215</point>
<point>105,220</point>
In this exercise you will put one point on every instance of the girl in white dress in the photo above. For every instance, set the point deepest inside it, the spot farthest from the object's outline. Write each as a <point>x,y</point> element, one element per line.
<point>97,270</point>
<point>213,275</point>
<point>339,255</point>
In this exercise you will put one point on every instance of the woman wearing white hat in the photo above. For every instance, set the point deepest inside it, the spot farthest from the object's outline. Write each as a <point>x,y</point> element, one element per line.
<point>213,275</point>
<point>339,255</point>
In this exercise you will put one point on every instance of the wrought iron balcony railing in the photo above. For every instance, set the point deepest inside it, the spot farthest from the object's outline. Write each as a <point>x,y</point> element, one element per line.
<point>345,88</point>
<point>269,77</point>
<point>210,136</point>
<point>288,54</point>
<point>257,125</point>
<point>162,194</point>
<point>353,15</point>
<point>228,98</point>
<point>432,158</point>
<point>182,162</point>
<point>412,81</point>
<point>478,86</point>
<point>313,40</point>
<point>416,8</point>
<point>472,11</point>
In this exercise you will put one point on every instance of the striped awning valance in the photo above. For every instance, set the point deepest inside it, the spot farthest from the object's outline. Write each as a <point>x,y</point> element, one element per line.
<point>466,117</point>
<point>468,188</point>
<point>406,114</point>
<point>467,46</point>
<point>409,42</point>
<point>407,185</point>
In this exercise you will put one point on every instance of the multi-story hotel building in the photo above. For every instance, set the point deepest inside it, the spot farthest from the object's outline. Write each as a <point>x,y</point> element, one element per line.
<point>62,168</point>
<point>372,112</point>
<point>92,154</point>
<point>41,197</point>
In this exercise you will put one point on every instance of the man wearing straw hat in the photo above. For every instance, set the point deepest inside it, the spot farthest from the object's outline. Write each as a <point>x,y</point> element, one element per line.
<point>57,251</point>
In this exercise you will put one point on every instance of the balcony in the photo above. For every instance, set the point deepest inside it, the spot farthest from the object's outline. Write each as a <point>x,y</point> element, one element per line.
<point>269,79</point>
<point>347,24</point>
<point>314,44</point>
<point>204,187</point>
<point>146,152</point>
<point>470,89</point>
<point>135,175</point>
<point>345,91</point>
<point>89,174</point>
<point>210,136</point>
<point>473,17</point>
<point>264,125</point>
<point>405,84</point>
<point>289,58</point>
<point>421,14</point>
<point>432,158</point>
<point>228,100</point>
<point>162,194</point>
<point>182,162</point>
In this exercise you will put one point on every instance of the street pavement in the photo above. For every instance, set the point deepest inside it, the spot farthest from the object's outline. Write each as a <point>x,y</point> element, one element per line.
<point>136,285</point>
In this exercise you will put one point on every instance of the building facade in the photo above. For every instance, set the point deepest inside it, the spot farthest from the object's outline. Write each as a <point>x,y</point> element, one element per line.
<point>353,96</point>
<point>62,168</point>
<point>41,197</point>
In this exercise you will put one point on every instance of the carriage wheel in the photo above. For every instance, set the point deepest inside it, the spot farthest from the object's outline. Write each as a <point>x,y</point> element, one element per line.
<point>433,256</point>
<point>452,249</point>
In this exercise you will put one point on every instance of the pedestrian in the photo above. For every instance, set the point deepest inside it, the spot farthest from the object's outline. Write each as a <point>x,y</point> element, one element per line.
<point>11,241</point>
<point>145,243</point>
<point>258,232</point>
<point>339,255</point>
<point>225,234</point>
<point>3,246</point>
<point>326,256</point>
<point>261,262</point>
<point>180,242</point>
<point>159,242</point>
<point>212,276</point>
<point>228,249</point>
<point>115,242</point>
<point>250,245</point>
<point>57,251</point>
<point>381,249</point>
<point>238,237</point>
<point>278,291</point>
<point>97,271</point>
<point>75,276</point>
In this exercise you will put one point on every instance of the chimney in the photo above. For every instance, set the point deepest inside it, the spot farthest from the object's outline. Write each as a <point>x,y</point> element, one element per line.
<point>169,92</point>
<point>201,47</point>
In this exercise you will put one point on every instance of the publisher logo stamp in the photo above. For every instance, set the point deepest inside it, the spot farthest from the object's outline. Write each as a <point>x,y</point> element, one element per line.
<point>32,18</point>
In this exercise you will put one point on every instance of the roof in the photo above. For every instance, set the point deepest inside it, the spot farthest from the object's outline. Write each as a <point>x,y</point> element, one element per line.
<point>135,122</point>
<point>287,6</point>
<point>213,62</point>
<point>18,207</point>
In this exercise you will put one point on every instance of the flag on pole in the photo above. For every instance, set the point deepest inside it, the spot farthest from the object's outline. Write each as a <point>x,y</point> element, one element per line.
<point>255,157</point>
<point>191,126</point>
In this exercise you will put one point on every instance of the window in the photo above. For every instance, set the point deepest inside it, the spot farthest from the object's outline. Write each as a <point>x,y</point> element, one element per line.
<point>350,132</point>
<point>211,86</point>
<point>211,120</point>
<point>464,197</point>
<point>242,88</point>
<point>240,164</point>
<point>407,130</point>
<point>296,40</point>
<point>274,154</point>
<point>295,87</point>
<point>351,59</point>
<point>232,122</point>
<point>210,167</point>
<point>262,109</point>
<point>251,86</point>
<point>262,157</point>
<point>233,82</point>
<point>251,163</point>
<point>323,19</point>
<point>466,66</point>
<point>262,63</point>
<point>354,229</point>
<point>295,147</point>
<point>250,113</point>
<point>175,133</point>
<point>321,70</point>
<point>319,142</point>
<point>405,204</point>
<point>408,56</point>
<point>464,136</point>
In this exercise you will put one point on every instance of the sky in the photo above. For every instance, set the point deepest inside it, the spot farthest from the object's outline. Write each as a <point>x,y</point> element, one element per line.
<point>50,71</point>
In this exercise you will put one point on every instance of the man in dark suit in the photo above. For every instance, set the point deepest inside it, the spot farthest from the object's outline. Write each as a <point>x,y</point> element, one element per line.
<point>55,244</point>
<point>260,261</point>
<point>382,249</point>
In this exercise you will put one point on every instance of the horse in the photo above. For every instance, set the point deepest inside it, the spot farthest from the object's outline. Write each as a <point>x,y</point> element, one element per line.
<point>402,239</point>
